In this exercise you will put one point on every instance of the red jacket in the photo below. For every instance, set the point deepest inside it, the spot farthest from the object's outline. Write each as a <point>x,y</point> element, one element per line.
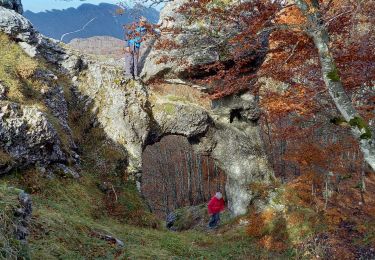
<point>216,205</point>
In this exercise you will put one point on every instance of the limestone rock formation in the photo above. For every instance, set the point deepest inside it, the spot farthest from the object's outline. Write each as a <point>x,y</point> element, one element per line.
<point>233,140</point>
<point>121,108</point>
<point>132,115</point>
<point>196,44</point>
<point>196,48</point>
<point>27,137</point>
<point>15,5</point>
<point>54,98</point>
<point>3,91</point>
<point>182,119</point>
<point>23,215</point>
<point>231,133</point>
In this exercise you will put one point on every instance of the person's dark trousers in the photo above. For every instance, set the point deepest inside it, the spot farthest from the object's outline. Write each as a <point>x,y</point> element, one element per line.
<point>131,63</point>
<point>214,221</point>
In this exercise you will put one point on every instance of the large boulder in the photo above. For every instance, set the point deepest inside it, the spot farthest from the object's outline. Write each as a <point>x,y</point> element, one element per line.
<point>176,118</point>
<point>15,5</point>
<point>26,138</point>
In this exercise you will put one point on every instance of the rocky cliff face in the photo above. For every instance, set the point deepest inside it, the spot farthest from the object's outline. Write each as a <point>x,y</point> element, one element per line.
<point>134,115</point>
<point>27,137</point>
<point>232,135</point>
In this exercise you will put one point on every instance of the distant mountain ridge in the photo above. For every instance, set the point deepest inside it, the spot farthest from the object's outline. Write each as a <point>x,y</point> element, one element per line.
<point>104,21</point>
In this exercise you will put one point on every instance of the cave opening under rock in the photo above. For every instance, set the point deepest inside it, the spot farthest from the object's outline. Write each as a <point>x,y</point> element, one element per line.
<point>174,176</point>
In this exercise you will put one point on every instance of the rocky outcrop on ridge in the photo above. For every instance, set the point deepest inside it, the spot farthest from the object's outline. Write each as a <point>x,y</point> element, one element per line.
<point>34,43</point>
<point>134,117</point>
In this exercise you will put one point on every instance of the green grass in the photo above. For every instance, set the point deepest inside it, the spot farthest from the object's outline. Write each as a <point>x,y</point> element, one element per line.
<point>16,71</point>
<point>10,248</point>
<point>67,213</point>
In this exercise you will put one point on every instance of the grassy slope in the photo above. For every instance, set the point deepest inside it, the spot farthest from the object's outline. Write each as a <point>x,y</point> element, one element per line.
<point>68,214</point>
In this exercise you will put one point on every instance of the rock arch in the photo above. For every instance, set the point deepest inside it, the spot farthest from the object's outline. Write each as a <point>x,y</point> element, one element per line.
<point>134,117</point>
<point>175,176</point>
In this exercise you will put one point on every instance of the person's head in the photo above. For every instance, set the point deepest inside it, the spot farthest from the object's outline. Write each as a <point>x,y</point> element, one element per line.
<point>142,21</point>
<point>218,195</point>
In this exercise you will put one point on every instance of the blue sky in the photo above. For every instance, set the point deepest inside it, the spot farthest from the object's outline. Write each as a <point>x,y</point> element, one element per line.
<point>42,5</point>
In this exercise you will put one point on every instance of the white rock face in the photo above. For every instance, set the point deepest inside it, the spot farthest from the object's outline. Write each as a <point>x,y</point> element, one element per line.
<point>235,144</point>
<point>121,108</point>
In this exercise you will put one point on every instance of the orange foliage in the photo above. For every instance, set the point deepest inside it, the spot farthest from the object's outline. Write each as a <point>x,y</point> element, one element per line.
<point>293,100</point>
<point>256,225</point>
<point>270,243</point>
<point>275,239</point>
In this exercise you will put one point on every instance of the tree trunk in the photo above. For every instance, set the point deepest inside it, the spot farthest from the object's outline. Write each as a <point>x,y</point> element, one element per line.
<point>208,193</point>
<point>189,168</point>
<point>319,34</point>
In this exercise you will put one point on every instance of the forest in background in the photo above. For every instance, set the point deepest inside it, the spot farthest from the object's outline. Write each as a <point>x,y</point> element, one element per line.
<point>174,176</point>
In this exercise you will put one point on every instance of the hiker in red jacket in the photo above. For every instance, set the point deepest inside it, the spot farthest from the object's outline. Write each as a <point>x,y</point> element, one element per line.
<point>215,206</point>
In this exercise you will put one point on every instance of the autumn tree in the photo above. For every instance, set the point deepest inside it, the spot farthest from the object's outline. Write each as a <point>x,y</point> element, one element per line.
<point>312,24</point>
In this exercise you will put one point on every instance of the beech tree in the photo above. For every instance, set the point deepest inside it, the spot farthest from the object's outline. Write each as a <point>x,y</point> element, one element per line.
<point>316,29</point>
<point>264,18</point>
